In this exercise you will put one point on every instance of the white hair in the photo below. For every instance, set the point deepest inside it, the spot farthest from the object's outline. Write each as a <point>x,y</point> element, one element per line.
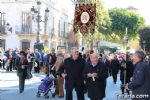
<point>74,48</point>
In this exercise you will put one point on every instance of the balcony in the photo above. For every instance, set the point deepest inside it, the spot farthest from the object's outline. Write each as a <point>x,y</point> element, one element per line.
<point>63,34</point>
<point>2,23</point>
<point>2,30</point>
<point>23,30</point>
<point>26,30</point>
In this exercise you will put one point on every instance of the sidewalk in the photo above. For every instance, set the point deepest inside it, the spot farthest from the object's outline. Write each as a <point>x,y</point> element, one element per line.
<point>9,88</point>
<point>10,80</point>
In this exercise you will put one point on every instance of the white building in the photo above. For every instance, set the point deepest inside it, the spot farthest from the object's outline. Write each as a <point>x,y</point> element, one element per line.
<point>19,30</point>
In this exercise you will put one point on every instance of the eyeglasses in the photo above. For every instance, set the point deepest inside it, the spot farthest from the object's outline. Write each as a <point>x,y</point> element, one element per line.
<point>134,55</point>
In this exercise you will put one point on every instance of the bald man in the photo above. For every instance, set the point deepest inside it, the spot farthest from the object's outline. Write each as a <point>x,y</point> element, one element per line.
<point>72,71</point>
<point>95,74</point>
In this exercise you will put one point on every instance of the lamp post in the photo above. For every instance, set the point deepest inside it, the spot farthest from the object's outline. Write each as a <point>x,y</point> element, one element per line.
<point>126,39</point>
<point>37,17</point>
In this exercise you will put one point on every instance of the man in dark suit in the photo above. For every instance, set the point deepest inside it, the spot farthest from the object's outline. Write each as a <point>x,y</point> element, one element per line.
<point>72,70</point>
<point>105,60</point>
<point>50,60</point>
<point>95,74</point>
<point>115,68</point>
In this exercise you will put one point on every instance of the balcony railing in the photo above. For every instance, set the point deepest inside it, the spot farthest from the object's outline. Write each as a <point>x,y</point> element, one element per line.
<point>2,23</point>
<point>23,30</point>
<point>2,29</point>
<point>26,30</point>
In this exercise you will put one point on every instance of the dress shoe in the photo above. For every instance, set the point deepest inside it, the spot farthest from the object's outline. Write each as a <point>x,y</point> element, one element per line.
<point>61,96</point>
<point>21,91</point>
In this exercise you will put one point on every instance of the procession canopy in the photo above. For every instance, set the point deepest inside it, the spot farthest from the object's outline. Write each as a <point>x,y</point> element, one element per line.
<point>85,18</point>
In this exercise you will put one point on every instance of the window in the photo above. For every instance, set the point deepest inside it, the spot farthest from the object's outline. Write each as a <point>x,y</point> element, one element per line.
<point>2,23</point>
<point>64,34</point>
<point>2,43</point>
<point>63,29</point>
<point>52,26</point>
<point>59,26</point>
<point>25,45</point>
<point>26,23</point>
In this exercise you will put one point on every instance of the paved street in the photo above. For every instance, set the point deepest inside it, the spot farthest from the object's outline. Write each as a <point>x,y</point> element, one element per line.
<point>9,88</point>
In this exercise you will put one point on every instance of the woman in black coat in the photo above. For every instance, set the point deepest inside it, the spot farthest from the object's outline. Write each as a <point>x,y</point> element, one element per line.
<point>95,75</point>
<point>22,65</point>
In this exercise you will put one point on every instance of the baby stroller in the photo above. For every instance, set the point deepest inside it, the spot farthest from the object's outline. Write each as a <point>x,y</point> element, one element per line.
<point>45,87</point>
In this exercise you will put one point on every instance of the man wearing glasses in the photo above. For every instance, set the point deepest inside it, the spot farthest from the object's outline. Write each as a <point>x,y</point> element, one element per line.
<point>72,70</point>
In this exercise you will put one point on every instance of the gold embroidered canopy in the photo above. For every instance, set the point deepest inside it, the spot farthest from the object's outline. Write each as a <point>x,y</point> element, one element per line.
<point>84,20</point>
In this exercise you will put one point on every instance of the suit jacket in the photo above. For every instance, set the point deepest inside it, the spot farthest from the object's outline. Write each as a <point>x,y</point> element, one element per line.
<point>96,89</point>
<point>141,80</point>
<point>22,72</point>
<point>115,65</point>
<point>74,70</point>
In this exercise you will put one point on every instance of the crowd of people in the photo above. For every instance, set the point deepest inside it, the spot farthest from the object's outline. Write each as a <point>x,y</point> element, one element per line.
<point>84,72</point>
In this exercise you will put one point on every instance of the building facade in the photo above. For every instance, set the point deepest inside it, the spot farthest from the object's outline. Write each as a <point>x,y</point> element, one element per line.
<point>18,26</point>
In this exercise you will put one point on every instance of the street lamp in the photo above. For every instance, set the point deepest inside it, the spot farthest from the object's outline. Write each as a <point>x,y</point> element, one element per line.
<point>37,17</point>
<point>126,39</point>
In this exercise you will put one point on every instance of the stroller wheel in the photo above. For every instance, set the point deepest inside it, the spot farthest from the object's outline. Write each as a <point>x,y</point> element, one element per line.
<point>46,96</point>
<point>53,95</point>
<point>38,94</point>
